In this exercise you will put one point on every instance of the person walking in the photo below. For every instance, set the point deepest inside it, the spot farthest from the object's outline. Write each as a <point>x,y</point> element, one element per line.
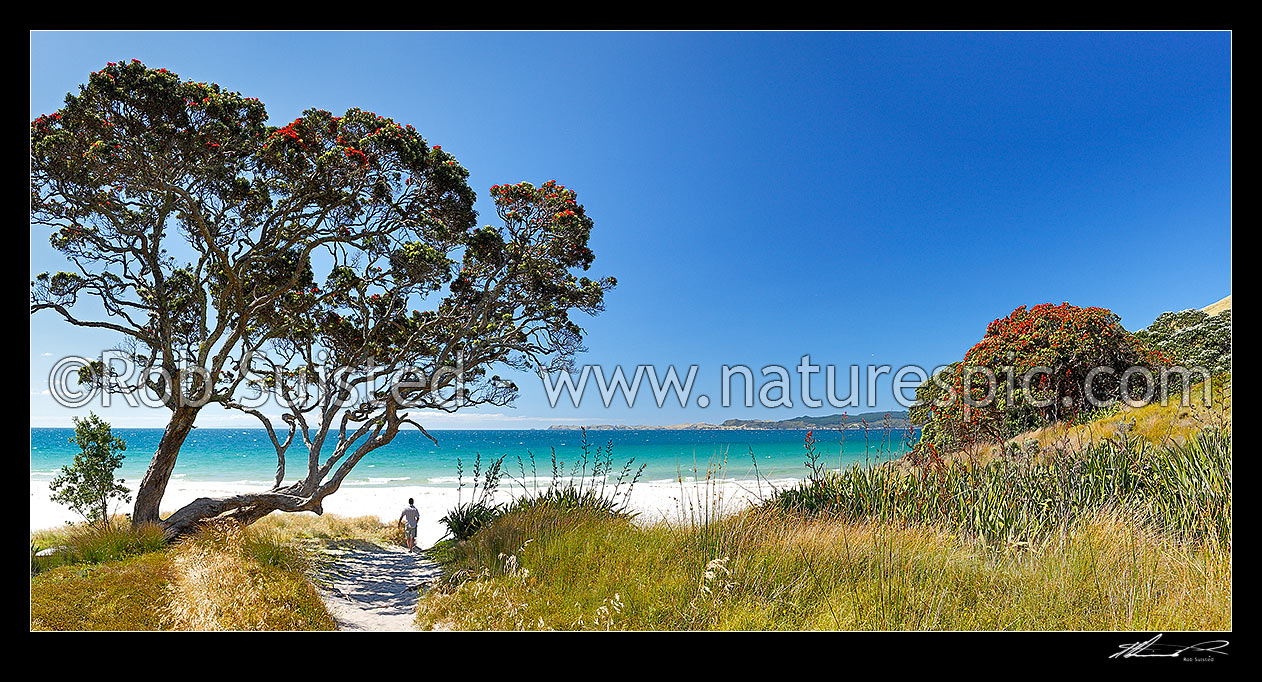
<point>410,517</point>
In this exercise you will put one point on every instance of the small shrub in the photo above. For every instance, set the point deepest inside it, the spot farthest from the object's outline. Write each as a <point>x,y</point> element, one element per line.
<point>88,485</point>
<point>468,518</point>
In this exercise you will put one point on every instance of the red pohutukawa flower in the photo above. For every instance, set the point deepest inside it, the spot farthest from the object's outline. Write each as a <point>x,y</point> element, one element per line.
<point>1045,354</point>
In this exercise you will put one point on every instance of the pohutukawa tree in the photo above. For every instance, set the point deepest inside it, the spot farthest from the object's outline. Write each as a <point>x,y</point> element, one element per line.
<point>1033,368</point>
<point>333,264</point>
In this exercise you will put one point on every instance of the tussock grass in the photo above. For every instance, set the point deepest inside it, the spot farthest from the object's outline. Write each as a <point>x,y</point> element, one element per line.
<point>223,578</point>
<point>591,487</point>
<point>329,527</point>
<point>770,570</point>
<point>233,578</point>
<point>1182,489</point>
<point>1124,535</point>
<point>94,543</point>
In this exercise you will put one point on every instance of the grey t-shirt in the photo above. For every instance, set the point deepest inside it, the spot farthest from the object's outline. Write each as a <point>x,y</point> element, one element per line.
<point>411,516</point>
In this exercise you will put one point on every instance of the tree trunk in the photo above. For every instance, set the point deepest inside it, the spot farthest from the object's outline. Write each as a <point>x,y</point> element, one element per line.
<point>154,484</point>
<point>245,508</point>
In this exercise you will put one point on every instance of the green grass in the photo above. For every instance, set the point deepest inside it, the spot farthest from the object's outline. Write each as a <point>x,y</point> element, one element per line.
<point>94,543</point>
<point>119,595</point>
<point>223,578</point>
<point>1182,489</point>
<point>769,570</point>
<point>232,578</point>
<point>1125,535</point>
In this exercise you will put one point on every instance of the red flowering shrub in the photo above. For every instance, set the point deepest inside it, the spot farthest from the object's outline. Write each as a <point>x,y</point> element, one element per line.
<point>1032,368</point>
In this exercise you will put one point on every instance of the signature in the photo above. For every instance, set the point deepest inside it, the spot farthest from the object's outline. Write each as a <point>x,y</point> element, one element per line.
<point>1151,649</point>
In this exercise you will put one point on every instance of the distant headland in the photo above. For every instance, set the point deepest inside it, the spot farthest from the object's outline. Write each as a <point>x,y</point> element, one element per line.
<point>873,420</point>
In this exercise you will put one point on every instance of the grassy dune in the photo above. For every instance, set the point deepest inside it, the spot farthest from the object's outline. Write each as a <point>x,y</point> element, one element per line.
<point>115,595</point>
<point>230,578</point>
<point>224,578</point>
<point>329,527</point>
<point>1123,535</point>
<point>774,571</point>
<point>1218,306</point>
<point>1101,528</point>
<point>1181,489</point>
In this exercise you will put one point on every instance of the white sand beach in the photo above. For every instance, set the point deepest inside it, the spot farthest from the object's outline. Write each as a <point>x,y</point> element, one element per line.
<point>654,500</point>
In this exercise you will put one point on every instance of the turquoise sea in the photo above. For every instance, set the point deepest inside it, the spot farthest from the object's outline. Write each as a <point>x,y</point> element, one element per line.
<point>246,455</point>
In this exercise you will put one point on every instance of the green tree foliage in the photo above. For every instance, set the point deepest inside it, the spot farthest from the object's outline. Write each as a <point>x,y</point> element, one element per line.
<point>88,485</point>
<point>1030,369</point>
<point>1192,338</point>
<point>235,256</point>
<point>198,227</point>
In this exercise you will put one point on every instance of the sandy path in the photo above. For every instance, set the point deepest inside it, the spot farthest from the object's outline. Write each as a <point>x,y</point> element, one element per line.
<point>371,587</point>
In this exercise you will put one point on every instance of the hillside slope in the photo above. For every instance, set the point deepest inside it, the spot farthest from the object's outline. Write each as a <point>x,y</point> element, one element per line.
<point>1218,307</point>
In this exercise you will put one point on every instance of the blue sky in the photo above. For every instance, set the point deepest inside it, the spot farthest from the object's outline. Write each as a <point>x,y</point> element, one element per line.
<point>861,197</point>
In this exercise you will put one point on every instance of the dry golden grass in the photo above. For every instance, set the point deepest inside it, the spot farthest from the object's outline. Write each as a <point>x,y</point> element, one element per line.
<point>774,571</point>
<point>1218,306</point>
<point>330,527</point>
<point>118,595</point>
<point>224,578</point>
<point>1125,577</point>
<point>233,578</point>
<point>1159,424</point>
